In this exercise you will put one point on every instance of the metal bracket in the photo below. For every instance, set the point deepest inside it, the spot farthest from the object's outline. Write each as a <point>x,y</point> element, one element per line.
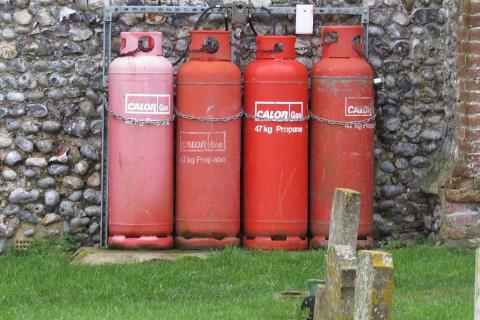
<point>237,17</point>
<point>239,21</point>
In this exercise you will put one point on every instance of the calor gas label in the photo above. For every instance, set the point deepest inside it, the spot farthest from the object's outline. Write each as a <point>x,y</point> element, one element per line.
<point>202,141</point>
<point>140,103</point>
<point>278,111</point>
<point>359,107</point>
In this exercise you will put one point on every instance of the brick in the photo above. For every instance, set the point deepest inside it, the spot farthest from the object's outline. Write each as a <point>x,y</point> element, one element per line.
<point>474,147</point>
<point>460,170</point>
<point>467,95</point>
<point>463,218</point>
<point>472,60</point>
<point>463,34</point>
<point>472,20</point>
<point>471,107</point>
<point>463,148</point>
<point>462,195</point>
<point>474,121</point>
<point>474,34</point>
<point>473,170</point>
<point>470,84</point>
<point>451,207</point>
<point>469,46</point>
<point>472,135</point>
<point>463,120</point>
<point>469,72</point>
<point>474,7</point>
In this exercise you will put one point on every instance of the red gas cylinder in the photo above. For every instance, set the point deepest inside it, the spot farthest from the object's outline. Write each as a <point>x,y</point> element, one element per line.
<point>208,144</point>
<point>342,132</point>
<point>140,144</point>
<point>275,147</point>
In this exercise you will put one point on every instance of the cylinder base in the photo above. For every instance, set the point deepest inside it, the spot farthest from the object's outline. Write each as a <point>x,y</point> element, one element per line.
<point>290,243</point>
<point>206,243</point>
<point>321,242</point>
<point>145,242</point>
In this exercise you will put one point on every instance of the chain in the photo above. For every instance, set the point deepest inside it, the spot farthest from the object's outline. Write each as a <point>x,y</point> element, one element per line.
<point>307,49</point>
<point>207,119</point>
<point>342,123</point>
<point>196,50</point>
<point>139,122</point>
<point>251,116</point>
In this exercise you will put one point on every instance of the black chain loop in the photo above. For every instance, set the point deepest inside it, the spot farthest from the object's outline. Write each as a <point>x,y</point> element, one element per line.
<point>139,122</point>
<point>343,123</point>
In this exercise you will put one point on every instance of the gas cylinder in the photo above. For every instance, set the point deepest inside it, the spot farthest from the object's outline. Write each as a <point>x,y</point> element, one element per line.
<point>275,198</point>
<point>140,144</point>
<point>208,144</point>
<point>342,130</point>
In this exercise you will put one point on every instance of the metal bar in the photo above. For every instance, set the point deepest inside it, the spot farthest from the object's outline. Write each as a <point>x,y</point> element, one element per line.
<point>107,49</point>
<point>365,37</point>
<point>113,10</point>
<point>104,187</point>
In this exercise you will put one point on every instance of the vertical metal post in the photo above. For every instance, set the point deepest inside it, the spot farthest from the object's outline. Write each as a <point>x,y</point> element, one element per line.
<point>107,43</point>
<point>106,55</point>
<point>104,187</point>
<point>365,21</point>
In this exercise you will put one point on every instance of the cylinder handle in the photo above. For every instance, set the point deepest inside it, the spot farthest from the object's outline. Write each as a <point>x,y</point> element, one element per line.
<point>210,45</point>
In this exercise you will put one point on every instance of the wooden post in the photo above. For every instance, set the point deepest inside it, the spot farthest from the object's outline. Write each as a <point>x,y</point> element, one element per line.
<point>374,286</point>
<point>336,302</point>
<point>344,218</point>
<point>477,286</point>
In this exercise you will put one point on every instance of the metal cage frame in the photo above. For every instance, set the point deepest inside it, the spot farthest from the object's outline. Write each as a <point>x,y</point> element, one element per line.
<point>111,11</point>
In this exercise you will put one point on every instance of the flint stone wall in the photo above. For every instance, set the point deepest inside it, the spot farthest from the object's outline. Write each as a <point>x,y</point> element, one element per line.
<point>50,105</point>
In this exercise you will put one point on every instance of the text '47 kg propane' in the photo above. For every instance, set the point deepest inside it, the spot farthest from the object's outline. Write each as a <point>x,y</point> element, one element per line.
<point>275,147</point>
<point>342,130</point>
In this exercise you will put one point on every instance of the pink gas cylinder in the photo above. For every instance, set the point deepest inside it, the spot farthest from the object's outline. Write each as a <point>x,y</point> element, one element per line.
<point>140,144</point>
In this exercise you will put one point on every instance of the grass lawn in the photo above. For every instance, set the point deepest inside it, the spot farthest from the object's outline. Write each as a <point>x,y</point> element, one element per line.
<point>41,283</point>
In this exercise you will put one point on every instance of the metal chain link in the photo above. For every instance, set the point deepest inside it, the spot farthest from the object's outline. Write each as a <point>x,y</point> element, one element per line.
<point>251,116</point>
<point>131,53</point>
<point>307,49</point>
<point>139,122</point>
<point>342,123</point>
<point>207,119</point>
<point>197,50</point>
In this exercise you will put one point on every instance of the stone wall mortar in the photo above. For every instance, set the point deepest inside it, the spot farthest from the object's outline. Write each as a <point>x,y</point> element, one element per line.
<point>50,104</point>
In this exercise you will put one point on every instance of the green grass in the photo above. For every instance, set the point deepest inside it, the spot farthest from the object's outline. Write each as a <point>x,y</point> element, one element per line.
<point>41,283</point>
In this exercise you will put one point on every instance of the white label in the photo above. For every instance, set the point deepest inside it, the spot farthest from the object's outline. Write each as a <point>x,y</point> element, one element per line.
<point>304,19</point>
<point>203,141</point>
<point>147,103</point>
<point>359,107</point>
<point>268,110</point>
